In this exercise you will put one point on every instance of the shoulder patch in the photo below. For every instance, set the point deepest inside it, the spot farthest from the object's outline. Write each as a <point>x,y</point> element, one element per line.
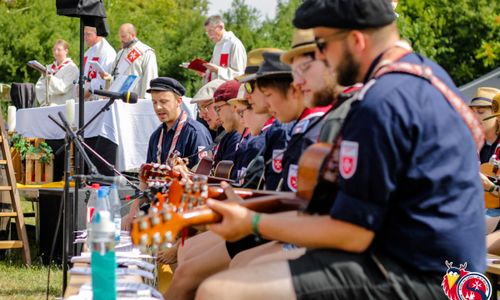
<point>348,161</point>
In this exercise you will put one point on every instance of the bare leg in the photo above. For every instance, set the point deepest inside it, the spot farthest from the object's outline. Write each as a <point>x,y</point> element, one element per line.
<point>196,245</point>
<point>493,243</point>
<point>271,251</point>
<point>264,281</point>
<point>192,271</point>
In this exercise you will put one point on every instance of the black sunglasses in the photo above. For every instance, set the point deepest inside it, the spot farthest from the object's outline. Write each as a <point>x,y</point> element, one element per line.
<point>249,86</point>
<point>321,43</point>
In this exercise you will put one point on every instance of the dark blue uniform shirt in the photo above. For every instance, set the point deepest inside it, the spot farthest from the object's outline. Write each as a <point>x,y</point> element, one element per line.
<point>226,149</point>
<point>193,138</point>
<point>298,143</point>
<point>409,172</point>
<point>276,137</point>
<point>240,154</point>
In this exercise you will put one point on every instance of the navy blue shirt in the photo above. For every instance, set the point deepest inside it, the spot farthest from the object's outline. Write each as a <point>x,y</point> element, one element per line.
<point>409,172</point>
<point>193,138</point>
<point>226,149</point>
<point>298,143</point>
<point>276,137</point>
<point>240,154</point>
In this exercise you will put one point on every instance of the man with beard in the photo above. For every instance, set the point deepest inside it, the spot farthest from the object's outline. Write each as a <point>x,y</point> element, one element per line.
<point>401,191</point>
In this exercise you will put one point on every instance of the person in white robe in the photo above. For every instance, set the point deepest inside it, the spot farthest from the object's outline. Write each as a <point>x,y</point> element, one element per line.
<point>101,52</point>
<point>58,84</point>
<point>229,56</point>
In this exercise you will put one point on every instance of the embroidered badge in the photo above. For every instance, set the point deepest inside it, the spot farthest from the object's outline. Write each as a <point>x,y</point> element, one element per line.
<point>133,55</point>
<point>348,161</point>
<point>300,127</point>
<point>460,284</point>
<point>277,160</point>
<point>292,177</point>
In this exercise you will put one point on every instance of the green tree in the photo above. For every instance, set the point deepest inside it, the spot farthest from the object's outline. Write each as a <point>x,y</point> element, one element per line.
<point>463,36</point>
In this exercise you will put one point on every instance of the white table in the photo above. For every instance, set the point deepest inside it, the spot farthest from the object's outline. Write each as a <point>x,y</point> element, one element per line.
<point>127,125</point>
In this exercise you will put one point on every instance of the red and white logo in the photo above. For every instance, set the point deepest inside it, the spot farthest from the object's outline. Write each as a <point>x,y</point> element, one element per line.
<point>292,177</point>
<point>348,161</point>
<point>133,55</point>
<point>278,160</point>
<point>460,284</point>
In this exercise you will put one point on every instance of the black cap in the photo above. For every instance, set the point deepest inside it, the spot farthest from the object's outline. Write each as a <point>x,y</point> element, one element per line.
<point>271,67</point>
<point>166,84</point>
<point>344,14</point>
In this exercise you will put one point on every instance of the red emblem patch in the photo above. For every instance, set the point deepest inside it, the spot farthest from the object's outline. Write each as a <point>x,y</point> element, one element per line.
<point>348,161</point>
<point>277,160</point>
<point>133,55</point>
<point>292,177</point>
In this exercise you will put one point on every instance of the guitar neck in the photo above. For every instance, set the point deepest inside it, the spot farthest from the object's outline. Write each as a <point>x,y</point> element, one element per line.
<point>265,204</point>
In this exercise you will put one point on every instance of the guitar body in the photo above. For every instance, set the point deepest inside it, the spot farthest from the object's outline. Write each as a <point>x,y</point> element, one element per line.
<point>490,200</point>
<point>205,166</point>
<point>223,169</point>
<point>310,164</point>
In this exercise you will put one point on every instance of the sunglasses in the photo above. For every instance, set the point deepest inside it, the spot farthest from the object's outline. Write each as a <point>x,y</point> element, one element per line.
<point>240,112</point>
<point>302,68</point>
<point>321,43</point>
<point>249,86</point>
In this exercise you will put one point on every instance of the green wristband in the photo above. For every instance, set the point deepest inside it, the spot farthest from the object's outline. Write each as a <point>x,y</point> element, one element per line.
<point>255,225</point>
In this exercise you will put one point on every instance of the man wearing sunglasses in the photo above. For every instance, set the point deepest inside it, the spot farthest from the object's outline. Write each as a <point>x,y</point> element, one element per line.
<point>404,204</point>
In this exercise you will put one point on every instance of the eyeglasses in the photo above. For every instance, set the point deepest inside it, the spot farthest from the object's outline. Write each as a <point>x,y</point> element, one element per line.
<point>240,112</point>
<point>218,108</point>
<point>321,43</point>
<point>249,86</point>
<point>302,68</point>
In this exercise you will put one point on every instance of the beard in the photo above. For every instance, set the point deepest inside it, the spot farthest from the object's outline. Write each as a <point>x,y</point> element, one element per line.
<point>347,69</point>
<point>329,92</point>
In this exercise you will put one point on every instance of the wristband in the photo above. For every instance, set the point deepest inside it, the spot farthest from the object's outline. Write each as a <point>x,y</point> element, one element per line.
<point>255,226</point>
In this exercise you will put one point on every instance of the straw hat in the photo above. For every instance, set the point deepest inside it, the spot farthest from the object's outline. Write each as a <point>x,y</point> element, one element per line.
<point>254,60</point>
<point>484,96</point>
<point>495,107</point>
<point>207,91</point>
<point>302,43</point>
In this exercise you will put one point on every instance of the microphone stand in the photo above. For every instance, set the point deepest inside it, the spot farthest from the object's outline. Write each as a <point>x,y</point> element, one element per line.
<point>105,108</point>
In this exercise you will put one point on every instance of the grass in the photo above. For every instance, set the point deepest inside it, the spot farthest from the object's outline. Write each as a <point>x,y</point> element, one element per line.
<point>20,282</point>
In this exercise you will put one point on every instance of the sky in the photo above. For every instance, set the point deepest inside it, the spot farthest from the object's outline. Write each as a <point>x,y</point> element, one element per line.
<point>266,7</point>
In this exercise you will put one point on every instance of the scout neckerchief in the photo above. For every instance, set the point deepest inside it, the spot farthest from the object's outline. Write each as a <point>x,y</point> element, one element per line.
<point>182,120</point>
<point>246,132</point>
<point>55,68</point>
<point>267,125</point>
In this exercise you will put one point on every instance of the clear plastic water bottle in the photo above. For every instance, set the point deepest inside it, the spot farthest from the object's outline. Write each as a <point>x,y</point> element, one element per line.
<point>103,200</point>
<point>114,200</point>
<point>91,204</point>
<point>103,259</point>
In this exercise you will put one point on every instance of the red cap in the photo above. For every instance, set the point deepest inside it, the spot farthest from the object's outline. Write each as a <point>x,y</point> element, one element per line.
<point>95,185</point>
<point>227,91</point>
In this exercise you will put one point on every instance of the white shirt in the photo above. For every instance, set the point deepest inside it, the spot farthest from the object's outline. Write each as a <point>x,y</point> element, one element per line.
<point>61,84</point>
<point>105,55</point>
<point>230,57</point>
<point>139,59</point>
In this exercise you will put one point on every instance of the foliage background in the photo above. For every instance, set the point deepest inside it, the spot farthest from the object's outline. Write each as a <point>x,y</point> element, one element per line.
<point>461,35</point>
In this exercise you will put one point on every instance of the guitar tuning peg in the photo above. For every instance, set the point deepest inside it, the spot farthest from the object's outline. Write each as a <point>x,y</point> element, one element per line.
<point>156,238</point>
<point>167,216</point>
<point>167,245</point>
<point>154,248</point>
<point>143,241</point>
<point>155,221</point>
<point>153,210</point>
<point>168,236</point>
<point>141,213</point>
<point>143,225</point>
<point>156,166</point>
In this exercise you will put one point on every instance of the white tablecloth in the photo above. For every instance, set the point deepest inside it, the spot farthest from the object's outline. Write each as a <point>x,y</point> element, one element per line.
<point>127,125</point>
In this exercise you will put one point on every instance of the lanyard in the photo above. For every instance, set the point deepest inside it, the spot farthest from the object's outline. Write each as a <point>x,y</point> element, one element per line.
<point>180,125</point>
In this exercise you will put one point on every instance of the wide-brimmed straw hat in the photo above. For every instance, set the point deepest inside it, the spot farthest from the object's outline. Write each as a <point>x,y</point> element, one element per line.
<point>302,43</point>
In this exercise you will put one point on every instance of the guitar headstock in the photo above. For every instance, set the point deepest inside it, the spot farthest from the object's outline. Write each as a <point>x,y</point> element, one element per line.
<point>185,195</point>
<point>160,229</point>
<point>153,171</point>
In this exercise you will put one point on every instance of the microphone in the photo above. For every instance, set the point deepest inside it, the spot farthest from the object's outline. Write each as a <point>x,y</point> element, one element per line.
<point>127,97</point>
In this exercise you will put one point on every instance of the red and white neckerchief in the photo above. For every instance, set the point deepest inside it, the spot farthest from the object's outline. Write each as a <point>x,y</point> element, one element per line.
<point>180,125</point>
<point>55,68</point>
<point>313,112</point>
<point>246,132</point>
<point>268,124</point>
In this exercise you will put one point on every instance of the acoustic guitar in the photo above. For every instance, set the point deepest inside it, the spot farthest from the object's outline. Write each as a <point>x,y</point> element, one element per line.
<point>222,170</point>
<point>491,200</point>
<point>160,229</point>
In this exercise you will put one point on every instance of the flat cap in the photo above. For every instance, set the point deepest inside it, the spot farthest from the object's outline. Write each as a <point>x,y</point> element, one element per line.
<point>166,84</point>
<point>227,91</point>
<point>207,91</point>
<point>344,14</point>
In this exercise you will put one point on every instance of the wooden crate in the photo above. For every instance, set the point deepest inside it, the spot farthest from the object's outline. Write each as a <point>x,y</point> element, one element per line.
<point>37,172</point>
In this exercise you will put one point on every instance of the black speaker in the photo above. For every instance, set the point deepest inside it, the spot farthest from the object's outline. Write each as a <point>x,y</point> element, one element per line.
<point>92,12</point>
